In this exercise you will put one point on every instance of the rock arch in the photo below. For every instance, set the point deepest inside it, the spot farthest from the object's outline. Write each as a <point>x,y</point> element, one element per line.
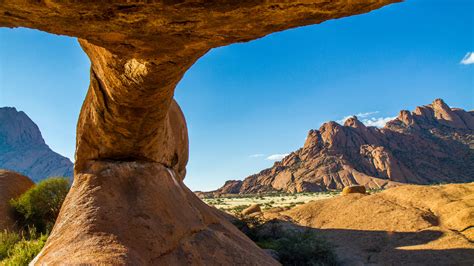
<point>128,204</point>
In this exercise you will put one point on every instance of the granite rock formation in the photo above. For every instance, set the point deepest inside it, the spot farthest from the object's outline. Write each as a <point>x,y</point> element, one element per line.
<point>12,185</point>
<point>22,148</point>
<point>433,144</point>
<point>132,133</point>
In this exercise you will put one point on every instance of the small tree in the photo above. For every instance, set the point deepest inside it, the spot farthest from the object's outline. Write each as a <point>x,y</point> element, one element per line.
<point>39,206</point>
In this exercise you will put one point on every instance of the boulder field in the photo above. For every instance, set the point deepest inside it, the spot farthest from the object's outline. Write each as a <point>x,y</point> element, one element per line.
<point>128,203</point>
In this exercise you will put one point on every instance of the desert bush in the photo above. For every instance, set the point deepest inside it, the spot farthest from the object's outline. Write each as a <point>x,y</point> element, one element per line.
<point>295,246</point>
<point>24,251</point>
<point>7,242</point>
<point>304,248</point>
<point>20,248</point>
<point>39,206</point>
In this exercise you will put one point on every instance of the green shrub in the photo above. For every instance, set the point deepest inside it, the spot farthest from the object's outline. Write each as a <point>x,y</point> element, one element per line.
<point>7,242</point>
<point>39,206</point>
<point>20,248</point>
<point>304,248</point>
<point>293,245</point>
<point>24,251</point>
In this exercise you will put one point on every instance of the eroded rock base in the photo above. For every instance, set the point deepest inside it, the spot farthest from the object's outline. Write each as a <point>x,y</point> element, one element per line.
<point>139,213</point>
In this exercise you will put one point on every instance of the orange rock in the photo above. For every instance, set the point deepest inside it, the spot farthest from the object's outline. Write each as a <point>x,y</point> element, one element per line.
<point>353,189</point>
<point>12,185</point>
<point>128,204</point>
<point>411,149</point>
<point>251,209</point>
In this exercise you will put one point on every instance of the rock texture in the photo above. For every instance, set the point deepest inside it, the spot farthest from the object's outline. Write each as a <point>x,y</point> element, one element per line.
<point>406,225</point>
<point>132,134</point>
<point>12,185</point>
<point>22,148</point>
<point>433,144</point>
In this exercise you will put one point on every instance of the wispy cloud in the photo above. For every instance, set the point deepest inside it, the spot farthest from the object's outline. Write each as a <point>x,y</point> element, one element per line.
<point>277,157</point>
<point>359,115</point>
<point>376,121</point>
<point>468,59</point>
<point>257,155</point>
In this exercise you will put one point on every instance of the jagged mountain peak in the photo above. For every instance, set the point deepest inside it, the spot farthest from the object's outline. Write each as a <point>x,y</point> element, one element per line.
<point>432,144</point>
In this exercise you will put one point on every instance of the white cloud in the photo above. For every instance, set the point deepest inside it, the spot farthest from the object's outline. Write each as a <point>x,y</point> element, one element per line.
<point>277,157</point>
<point>468,59</point>
<point>362,115</point>
<point>368,119</point>
<point>256,155</point>
<point>376,121</point>
<point>359,116</point>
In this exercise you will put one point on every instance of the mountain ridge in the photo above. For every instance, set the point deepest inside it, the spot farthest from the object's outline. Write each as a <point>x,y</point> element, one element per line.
<point>23,149</point>
<point>432,144</point>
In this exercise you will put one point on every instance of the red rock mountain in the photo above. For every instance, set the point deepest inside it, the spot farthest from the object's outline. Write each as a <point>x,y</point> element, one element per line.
<point>23,149</point>
<point>433,144</point>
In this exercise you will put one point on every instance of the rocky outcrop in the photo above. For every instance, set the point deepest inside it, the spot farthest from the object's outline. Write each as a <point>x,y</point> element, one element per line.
<point>433,144</point>
<point>22,148</point>
<point>406,225</point>
<point>12,185</point>
<point>138,53</point>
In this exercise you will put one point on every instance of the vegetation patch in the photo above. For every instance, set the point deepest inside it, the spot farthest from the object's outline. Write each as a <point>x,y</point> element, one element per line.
<point>36,211</point>
<point>293,244</point>
<point>39,206</point>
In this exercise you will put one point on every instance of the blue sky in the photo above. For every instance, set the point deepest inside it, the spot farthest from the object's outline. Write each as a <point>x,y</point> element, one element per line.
<point>246,102</point>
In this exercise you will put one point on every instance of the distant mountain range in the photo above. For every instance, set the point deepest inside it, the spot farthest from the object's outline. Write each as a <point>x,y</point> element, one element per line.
<point>433,144</point>
<point>23,149</point>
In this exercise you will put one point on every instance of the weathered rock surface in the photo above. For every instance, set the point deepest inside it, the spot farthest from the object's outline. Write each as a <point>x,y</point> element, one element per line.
<point>138,53</point>
<point>123,222</point>
<point>433,144</point>
<point>406,225</point>
<point>22,148</point>
<point>12,185</point>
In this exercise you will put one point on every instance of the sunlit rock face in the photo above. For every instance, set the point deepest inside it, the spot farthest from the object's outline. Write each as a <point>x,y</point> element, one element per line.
<point>131,136</point>
<point>433,144</point>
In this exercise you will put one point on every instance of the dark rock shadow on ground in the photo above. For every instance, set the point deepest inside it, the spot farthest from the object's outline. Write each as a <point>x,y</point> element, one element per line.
<point>365,247</point>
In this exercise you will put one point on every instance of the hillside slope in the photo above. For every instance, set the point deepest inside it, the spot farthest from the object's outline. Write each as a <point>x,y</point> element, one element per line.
<point>22,148</point>
<point>432,144</point>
